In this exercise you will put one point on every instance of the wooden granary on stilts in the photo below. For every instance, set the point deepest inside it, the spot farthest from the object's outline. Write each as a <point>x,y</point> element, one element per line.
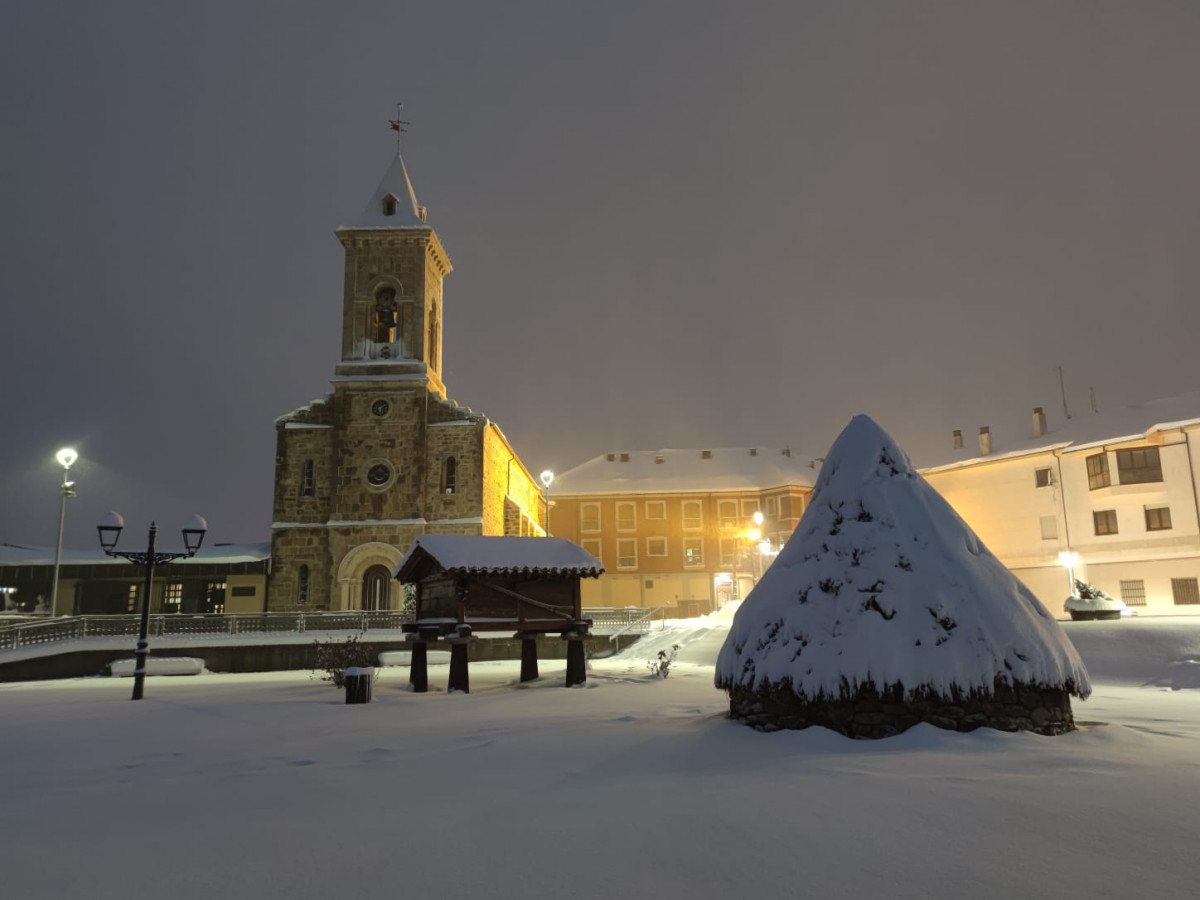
<point>527,586</point>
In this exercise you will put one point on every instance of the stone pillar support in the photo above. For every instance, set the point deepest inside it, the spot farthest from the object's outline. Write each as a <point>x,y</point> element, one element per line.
<point>529,660</point>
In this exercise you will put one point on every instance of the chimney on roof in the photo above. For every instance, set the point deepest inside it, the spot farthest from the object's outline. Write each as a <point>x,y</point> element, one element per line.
<point>985,440</point>
<point>754,451</point>
<point>786,451</point>
<point>658,458</point>
<point>957,438</point>
<point>610,456</point>
<point>624,457</point>
<point>706,454</point>
<point>1039,421</point>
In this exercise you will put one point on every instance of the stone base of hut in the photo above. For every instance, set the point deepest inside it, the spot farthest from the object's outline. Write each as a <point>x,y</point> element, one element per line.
<point>869,714</point>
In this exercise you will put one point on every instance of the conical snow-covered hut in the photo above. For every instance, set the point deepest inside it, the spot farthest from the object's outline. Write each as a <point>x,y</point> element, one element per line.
<point>885,610</point>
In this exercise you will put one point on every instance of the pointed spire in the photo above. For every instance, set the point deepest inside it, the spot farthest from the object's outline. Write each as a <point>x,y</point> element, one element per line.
<point>394,204</point>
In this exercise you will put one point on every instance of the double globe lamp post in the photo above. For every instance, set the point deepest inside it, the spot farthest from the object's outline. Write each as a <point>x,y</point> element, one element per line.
<point>110,531</point>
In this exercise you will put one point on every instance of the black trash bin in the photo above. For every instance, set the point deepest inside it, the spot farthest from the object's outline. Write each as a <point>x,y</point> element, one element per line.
<point>358,684</point>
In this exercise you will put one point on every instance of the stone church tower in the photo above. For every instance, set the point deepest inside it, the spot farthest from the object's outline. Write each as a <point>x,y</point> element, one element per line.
<point>385,457</point>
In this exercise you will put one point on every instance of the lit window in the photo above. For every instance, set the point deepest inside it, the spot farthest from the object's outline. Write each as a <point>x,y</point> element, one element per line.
<point>727,514</point>
<point>589,517</point>
<point>214,597</point>
<point>656,546</point>
<point>1138,466</point>
<point>173,597</point>
<point>692,519</point>
<point>693,551</point>
<point>1097,469</point>
<point>131,598</point>
<point>1158,519</point>
<point>1105,521</point>
<point>627,553</point>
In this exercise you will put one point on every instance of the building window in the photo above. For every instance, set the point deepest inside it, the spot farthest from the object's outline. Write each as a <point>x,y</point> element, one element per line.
<point>728,553</point>
<point>1105,521</point>
<point>375,588</point>
<point>389,205</point>
<point>243,590</point>
<point>727,514</point>
<point>306,479</point>
<point>1186,591</point>
<point>1097,469</point>
<point>771,507</point>
<point>749,508</point>
<point>173,597</point>
<point>592,546</point>
<point>131,597</point>
<point>627,553</point>
<point>656,546</point>
<point>626,516</point>
<point>692,517</point>
<point>1049,528</point>
<point>302,586</point>
<point>589,517</point>
<point>379,474</point>
<point>214,598</point>
<point>693,552</point>
<point>656,509</point>
<point>449,475</point>
<point>1138,466</point>
<point>1158,519</point>
<point>1133,592</point>
<point>1041,477</point>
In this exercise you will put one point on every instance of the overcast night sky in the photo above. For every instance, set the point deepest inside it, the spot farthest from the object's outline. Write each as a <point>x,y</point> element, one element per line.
<point>679,224</point>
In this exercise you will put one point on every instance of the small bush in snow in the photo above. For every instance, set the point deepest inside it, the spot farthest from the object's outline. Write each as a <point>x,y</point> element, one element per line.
<point>333,658</point>
<point>662,666</point>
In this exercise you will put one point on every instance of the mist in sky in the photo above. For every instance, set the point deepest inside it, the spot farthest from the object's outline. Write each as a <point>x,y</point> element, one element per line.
<point>672,224</point>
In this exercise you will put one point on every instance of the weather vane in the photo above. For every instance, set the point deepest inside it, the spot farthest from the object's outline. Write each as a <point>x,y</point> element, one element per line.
<point>397,125</point>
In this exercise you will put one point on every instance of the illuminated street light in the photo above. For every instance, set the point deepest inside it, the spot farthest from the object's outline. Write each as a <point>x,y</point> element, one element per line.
<point>547,476</point>
<point>66,458</point>
<point>1069,561</point>
<point>110,532</point>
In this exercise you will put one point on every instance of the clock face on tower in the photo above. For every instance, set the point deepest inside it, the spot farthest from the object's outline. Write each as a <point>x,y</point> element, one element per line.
<point>380,408</point>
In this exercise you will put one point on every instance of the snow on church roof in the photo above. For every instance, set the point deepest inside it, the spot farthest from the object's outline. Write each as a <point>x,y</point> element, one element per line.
<point>883,584</point>
<point>682,471</point>
<point>396,183</point>
<point>498,555</point>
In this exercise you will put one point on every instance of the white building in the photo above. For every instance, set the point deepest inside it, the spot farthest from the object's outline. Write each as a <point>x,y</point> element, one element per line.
<point>1118,489</point>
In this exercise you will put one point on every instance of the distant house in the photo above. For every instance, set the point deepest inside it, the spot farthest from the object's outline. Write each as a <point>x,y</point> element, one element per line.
<point>220,579</point>
<point>676,529</point>
<point>1117,489</point>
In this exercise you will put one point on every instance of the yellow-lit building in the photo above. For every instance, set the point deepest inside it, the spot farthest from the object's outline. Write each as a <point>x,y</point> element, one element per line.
<point>676,530</point>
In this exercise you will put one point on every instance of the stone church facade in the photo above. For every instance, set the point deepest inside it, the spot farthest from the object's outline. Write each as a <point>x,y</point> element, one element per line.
<point>385,456</point>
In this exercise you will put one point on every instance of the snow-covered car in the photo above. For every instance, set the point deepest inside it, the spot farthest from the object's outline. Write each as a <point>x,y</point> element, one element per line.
<point>1089,602</point>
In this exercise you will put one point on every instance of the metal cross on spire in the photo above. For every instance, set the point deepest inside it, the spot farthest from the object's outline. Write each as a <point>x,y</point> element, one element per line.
<point>397,125</point>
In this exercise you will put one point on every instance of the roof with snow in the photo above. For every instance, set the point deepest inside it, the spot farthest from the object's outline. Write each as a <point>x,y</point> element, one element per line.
<point>218,554</point>
<point>475,554</point>
<point>682,471</point>
<point>1014,436</point>
<point>883,584</point>
<point>395,182</point>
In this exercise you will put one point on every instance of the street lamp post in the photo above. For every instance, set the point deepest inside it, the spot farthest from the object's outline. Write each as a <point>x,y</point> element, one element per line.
<point>66,458</point>
<point>110,530</point>
<point>547,476</point>
<point>1069,561</point>
<point>755,536</point>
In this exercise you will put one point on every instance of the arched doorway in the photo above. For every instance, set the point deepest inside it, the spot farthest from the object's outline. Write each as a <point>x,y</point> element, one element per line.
<point>376,583</point>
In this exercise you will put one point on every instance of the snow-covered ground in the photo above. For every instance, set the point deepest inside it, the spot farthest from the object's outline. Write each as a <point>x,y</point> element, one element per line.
<point>268,786</point>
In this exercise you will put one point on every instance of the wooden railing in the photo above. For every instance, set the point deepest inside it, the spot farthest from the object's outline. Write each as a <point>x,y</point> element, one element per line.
<point>74,628</point>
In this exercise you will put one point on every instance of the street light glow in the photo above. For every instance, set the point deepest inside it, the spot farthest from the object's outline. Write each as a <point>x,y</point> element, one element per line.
<point>547,477</point>
<point>66,457</point>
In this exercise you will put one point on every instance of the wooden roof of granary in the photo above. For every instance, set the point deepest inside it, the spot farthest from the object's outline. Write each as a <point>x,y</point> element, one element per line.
<point>473,554</point>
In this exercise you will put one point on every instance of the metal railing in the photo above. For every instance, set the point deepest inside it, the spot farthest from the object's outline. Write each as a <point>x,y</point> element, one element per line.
<point>74,628</point>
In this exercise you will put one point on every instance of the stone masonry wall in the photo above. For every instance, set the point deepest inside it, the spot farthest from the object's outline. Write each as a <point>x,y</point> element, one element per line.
<point>868,714</point>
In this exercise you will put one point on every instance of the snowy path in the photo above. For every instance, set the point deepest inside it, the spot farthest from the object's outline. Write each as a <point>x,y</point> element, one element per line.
<point>268,786</point>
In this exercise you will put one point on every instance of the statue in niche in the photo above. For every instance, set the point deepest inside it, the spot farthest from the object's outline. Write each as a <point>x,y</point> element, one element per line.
<point>385,316</point>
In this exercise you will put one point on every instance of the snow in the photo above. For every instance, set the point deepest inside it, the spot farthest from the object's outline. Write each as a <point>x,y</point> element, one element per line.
<point>159,665</point>
<point>681,471</point>
<point>269,785</point>
<point>882,583</point>
<point>492,553</point>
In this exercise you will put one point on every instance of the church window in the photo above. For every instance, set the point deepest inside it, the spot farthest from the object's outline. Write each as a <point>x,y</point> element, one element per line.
<point>302,586</point>
<point>376,581</point>
<point>379,474</point>
<point>433,339</point>
<point>449,475</point>
<point>306,479</point>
